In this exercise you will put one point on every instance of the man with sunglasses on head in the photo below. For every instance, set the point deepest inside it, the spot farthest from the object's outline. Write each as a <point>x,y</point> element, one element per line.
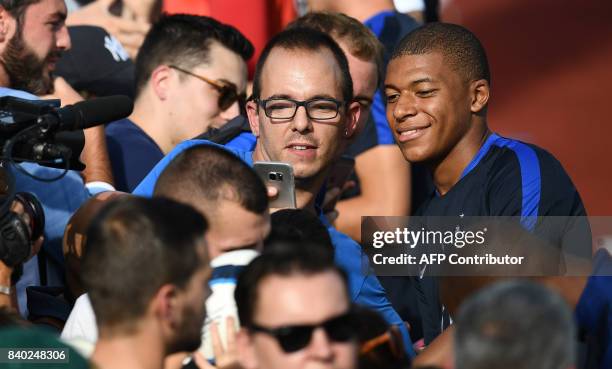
<point>190,76</point>
<point>295,309</point>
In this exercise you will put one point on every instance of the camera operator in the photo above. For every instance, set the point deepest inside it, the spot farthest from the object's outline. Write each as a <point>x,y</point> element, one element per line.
<point>32,37</point>
<point>8,271</point>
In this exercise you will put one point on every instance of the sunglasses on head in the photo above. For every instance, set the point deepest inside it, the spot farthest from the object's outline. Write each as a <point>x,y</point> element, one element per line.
<point>296,337</point>
<point>228,92</point>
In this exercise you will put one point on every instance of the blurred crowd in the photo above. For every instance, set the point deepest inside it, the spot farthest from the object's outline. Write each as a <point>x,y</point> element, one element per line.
<point>217,224</point>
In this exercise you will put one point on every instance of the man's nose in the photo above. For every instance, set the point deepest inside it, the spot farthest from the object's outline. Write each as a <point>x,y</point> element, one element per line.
<point>301,122</point>
<point>404,108</point>
<point>320,346</point>
<point>62,39</point>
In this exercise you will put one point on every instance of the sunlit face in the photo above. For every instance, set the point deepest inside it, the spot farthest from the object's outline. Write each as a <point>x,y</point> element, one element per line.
<point>233,227</point>
<point>29,58</point>
<point>293,300</point>
<point>364,76</point>
<point>428,106</point>
<point>308,145</point>
<point>195,103</point>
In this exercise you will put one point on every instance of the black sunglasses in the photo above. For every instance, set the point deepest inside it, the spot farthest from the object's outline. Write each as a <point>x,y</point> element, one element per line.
<point>296,337</point>
<point>228,92</point>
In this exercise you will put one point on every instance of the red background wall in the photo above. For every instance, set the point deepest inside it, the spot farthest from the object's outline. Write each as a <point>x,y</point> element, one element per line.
<point>551,65</point>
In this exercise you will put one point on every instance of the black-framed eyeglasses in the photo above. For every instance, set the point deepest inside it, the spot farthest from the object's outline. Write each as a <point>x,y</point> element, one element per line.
<point>296,337</point>
<point>228,92</point>
<point>285,109</point>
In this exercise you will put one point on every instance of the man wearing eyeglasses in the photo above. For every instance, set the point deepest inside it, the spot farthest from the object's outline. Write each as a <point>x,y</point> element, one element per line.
<point>295,310</point>
<point>190,77</point>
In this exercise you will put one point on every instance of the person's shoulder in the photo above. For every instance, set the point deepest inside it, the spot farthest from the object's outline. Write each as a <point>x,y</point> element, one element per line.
<point>126,133</point>
<point>347,251</point>
<point>538,174</point>
<point>526,158</point>
<point>5,91</point>
<point>123,127</point>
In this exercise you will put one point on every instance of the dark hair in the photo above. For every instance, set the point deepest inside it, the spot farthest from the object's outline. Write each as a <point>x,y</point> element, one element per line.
<point>360,40</point>
<point>184,40</point>
<point>291,227</point>
<point>17,8</point>
<point>10,318</point>
<point>286,261</point>
<point>134,246</point>
<point>209,173</point>
<point>305,39</point>
<point>460,48</point>
<point>513,325</point>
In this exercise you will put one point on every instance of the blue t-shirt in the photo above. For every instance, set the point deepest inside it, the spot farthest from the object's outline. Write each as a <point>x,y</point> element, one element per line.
<point>364,287</point>
<point>132,153</point>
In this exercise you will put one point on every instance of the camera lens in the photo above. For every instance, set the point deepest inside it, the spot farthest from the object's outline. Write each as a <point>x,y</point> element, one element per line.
<point>275,176</point>
<point>34,210</point>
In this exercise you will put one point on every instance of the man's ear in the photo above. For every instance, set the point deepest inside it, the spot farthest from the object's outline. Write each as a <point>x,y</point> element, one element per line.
<point>352,118</point>
<point>246,349</point>
<point>164,305</point>
<point>252,109</point>
<point>160,81</point>
<point>479,91</point>
<point>7,25</point>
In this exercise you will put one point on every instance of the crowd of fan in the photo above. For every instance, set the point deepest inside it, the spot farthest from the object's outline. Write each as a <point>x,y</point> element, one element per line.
<point>164,251</point>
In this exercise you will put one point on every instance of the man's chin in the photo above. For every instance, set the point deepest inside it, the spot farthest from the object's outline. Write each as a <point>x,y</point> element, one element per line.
<point>415,155</point>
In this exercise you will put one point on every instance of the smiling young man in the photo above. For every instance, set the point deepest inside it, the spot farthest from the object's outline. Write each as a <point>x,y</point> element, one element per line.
<point>437,89</point>
<point>190,73</point>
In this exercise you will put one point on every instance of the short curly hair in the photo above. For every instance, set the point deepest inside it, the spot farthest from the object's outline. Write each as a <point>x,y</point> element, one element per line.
<point>461,48</point>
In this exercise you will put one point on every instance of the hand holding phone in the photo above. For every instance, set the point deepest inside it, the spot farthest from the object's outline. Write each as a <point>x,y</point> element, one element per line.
<point>278,176</point>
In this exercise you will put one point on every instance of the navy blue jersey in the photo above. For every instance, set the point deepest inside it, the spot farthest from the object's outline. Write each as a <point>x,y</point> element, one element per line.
<point>132,153</point>
<point>509,178</point>
<point>506,178</point>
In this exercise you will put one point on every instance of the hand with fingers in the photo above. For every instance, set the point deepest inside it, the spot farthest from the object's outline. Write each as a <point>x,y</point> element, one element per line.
<point>332,195</point>
<point>226,356</point>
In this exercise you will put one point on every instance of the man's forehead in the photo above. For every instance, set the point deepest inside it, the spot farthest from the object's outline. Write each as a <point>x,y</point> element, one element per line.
<point>413,68</point>
<point>317,68</point>
<point>49,8</point>
<point>281,298</point>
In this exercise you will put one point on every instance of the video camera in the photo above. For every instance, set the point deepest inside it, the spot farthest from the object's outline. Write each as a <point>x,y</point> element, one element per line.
<point>41,132</point>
